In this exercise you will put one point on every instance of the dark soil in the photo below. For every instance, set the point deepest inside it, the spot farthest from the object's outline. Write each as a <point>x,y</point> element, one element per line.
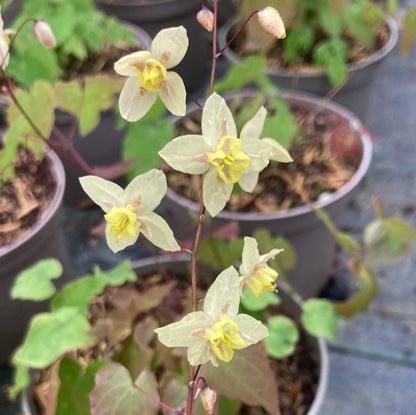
<point>25,197</point>
<point>297,376</point>
<point>276,58</point>
<point>325,158</point>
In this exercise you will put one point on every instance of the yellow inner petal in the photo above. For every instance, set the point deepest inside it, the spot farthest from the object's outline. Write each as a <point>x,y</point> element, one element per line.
<point>229,160</point>
<point>262,280</point>
<point>224,336</point>
<point>151,74</point>
<point>123,222</point>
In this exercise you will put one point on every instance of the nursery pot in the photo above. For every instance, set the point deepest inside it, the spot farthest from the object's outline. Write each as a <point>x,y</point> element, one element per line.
<point>291,305</point>
<point>155,15</point>
<point>354,95</point>
<point>313,243</point>
<point>102,146</point>
<point>44,240</point>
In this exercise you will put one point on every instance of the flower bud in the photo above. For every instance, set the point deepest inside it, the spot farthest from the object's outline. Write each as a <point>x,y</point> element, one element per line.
<point>208,399</point>
<point>271,22</point>
<point>206,19</point>
<point>44,33</point>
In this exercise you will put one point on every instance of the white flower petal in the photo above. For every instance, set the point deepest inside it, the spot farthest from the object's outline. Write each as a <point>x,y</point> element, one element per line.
<point>254,127</point>
<point>158,232</point>
<point>214,114</point>
<point>4,53</point>
<point>216,192</point>
<point>173,40</point>
<point>250,256</point>
<point>179,152</point>
<point>132,106</point>
<point>270,255</point>
<point>251,330</point>
<point>223,297</point>
<point>179,334</point>
<point>248,181</point>
<point>104,193</point>
<point>277,152</point>
<point>150,186</point>
<point>117,245</point>
<point>199,353</point>
<point>124,65</point>
<point>175,102</point>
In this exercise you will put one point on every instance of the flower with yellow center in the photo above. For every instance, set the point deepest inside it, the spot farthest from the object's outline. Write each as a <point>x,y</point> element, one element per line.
<point>129,212</point>
<point>221,155</point>
<point>218,330</point>
<point>148,75</point>
<point>256,275</point>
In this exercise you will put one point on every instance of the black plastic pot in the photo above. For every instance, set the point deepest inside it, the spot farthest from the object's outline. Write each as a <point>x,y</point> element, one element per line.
<point>44,240</point>
<point>155,15</point>
<point>354,95</point>
<point>311,240</point>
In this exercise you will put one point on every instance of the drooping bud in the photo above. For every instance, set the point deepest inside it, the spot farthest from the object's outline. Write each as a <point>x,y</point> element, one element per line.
<point>44,33</point>
<point>272,23</point>
<point>206,19</point>
<point>208,399</point>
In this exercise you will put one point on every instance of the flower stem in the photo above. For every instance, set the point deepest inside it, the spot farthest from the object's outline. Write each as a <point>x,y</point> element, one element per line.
<point>156,401</point>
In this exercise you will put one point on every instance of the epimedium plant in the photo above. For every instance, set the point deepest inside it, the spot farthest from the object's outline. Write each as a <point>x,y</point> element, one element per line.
<point>214,334</point>
<point>319,33</point>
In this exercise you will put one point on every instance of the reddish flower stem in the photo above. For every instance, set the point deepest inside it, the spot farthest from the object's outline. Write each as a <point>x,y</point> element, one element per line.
<point>156,401</point>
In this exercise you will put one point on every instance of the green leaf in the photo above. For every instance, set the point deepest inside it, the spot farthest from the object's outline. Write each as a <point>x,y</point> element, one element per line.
<point>80,292</point>
<point>34,283</point>
<point>283,336</point>
<point>38,103</point>
<point>33,64</point>
<point>368,289</point>
<point>248,377</point>
<point>229,406</point>
<point>219,253</point>
<point>240,73</point>
<point>332,54</point>
<point>409,32</point>
<point>21,380</point>
<point>62,21</point>
<point>52,334</point>
<point>320,318</point>
<point>174,395</point>
<point>330,24</point>
<point>387,241</point>
<point>281,126</point>
<point>100,93</point>
<point>143,141</point>
<point>68,96</point>
<point>253,303</point>
<point>76,384</point>
<point>360,28</point>
<point>298,42</point>
<point>115,393</point>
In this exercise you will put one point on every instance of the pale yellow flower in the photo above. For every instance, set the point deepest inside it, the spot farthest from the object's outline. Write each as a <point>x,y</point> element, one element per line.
<point>256,275</point>
<point>148,76</point>
<point>129,212</point>
<point>272,23</point>
<point>218,152</point>
<point>218,330</point>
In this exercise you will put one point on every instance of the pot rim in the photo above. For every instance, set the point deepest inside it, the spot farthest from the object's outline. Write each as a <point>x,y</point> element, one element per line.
<point>367,150</point>
<point>317,72</point>
<point>57,170</point>
<point>321,343</point>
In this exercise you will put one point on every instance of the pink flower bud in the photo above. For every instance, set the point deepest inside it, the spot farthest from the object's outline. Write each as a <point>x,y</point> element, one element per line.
<point>271,22</point>
<point>44,33</point>
<point>208,399</point>
<point>205,18</point>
